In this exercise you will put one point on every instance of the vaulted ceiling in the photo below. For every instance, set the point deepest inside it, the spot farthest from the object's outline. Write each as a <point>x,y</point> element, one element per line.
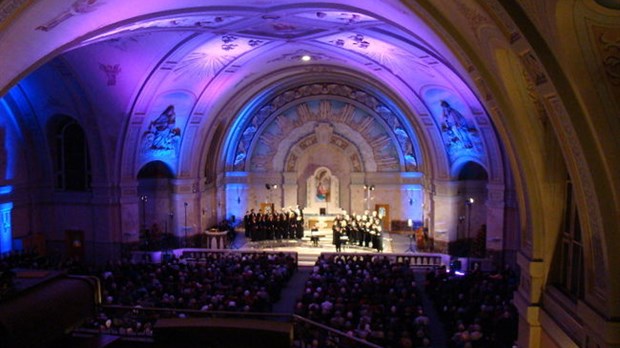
<point>131,62</point>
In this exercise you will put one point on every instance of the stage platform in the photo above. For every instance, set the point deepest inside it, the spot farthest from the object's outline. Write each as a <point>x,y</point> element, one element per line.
<point>308,252</point>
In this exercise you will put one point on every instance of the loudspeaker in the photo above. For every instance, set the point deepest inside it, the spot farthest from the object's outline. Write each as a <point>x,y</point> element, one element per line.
<point>322,211</point>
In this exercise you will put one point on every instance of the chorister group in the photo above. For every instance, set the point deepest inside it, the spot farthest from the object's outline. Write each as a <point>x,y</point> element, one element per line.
<point>363,230</point>
<point>287,224</point>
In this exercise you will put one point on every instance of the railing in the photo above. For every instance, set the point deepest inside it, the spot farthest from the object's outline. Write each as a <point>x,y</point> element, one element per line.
<point>421,260</point>
<point>308,333</point>
<point>198,254</point>
<point>305,331</point>
<point>139,322</point>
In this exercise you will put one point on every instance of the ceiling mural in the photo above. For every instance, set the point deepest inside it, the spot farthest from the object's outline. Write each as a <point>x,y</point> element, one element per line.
<point>188,22</point>
<point>210,58</point>
<point>388,137</point>
<point>340,17</point>
<point>206,55</point>
<point>395,59</point>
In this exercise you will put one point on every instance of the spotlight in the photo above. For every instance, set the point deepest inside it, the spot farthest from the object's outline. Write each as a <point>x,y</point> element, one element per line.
<point>275,186</point>
<point>306,58</point>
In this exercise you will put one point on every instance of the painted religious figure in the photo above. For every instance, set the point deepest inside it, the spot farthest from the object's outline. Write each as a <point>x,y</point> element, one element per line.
<point>162,133</point>
<point>322,181</point>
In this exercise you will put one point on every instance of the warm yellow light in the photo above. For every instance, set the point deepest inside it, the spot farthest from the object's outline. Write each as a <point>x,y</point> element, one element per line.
<point>306,58</point>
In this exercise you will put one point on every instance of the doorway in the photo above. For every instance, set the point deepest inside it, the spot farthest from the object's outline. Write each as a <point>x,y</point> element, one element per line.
<point>383,210</point>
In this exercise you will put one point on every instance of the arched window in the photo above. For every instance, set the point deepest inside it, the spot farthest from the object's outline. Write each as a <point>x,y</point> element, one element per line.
<point>72,163</point>
<point>568,268</point>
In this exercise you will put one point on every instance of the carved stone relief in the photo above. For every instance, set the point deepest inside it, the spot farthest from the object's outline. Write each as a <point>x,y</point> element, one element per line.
<point>342,143</point>
<point>609,52</point>
<point>504,20</point>
<point>534,68</point>
<point>394,144</point>
<point>78,7</point>
<point>475,18</point>
<point>533,95</point>
<point>162,135</point>
<point>460,135</point>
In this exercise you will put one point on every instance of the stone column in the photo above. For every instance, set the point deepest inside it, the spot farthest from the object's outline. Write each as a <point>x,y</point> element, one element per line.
<point>356,189</point>
<point>236,194</point>
<point>186,206</point>
<point>106,221</point>
<point>527,301</point>
<point>130,212</point>
<point>290,188</point>
<point>495,221</point>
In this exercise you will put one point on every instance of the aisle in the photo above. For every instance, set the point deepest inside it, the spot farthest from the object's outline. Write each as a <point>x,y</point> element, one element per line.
<point>292,291</point>
<point>437,332</point>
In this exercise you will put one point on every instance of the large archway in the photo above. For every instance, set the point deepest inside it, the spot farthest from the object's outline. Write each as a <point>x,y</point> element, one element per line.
<point>528,92</point>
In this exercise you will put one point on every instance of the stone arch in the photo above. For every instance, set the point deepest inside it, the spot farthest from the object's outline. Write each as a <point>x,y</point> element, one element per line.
<point>353,103</point>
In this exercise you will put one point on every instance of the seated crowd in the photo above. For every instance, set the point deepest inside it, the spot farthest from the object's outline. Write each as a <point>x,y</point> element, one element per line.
<point>242,282</point>
<point>233,282</point>
<point>367,297</point>
<point>476,309</point>
<point>363,296</point>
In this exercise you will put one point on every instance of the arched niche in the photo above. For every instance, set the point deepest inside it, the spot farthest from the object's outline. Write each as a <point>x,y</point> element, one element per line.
<point>322,192</point>
<point>155,191</point>
<point>472,210</point>
<point>323,148</point>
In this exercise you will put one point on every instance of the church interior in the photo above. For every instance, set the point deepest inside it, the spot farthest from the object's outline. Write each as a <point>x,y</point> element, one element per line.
<point>472,136</point>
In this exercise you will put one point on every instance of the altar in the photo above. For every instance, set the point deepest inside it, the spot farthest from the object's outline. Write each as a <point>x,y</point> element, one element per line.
<point>322,197</point>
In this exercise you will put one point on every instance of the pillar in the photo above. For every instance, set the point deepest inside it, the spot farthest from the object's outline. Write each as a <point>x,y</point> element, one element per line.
<point>186,206</point>
<point>495,214</point>
<point>527,300</point>
<point>446,204</point>
<point>290,189</point>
